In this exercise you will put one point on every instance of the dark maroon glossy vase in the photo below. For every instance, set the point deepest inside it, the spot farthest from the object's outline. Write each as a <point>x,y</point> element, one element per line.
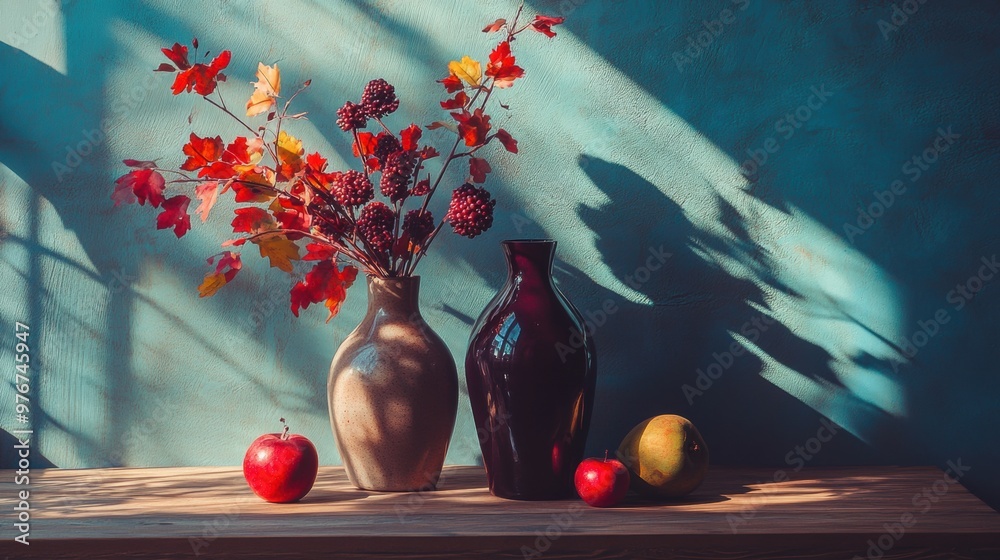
<point>531,371</point>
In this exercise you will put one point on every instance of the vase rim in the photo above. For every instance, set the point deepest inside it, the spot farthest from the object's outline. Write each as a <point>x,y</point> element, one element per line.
<point>391,278</point>
<point>527,241</point>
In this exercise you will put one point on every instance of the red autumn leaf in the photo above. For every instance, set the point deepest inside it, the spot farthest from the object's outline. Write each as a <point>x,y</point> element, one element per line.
<point>229,264</point>
<point>207,194</point>
<point>507,140</point>
<point>495,26</point>
<point>240,154</point>
<point>217,170</point>
<point>164,67</point>
<point>367,141</point>
<point>544,24</point>
<point>319,252</point>
<point>178,54</point>
<point>315,163</point>
<point>201,152</point>
<point>324,283</point>
<point>202,78</point>
<point>175,215</point>
<point>138,163</point>
<point>460,100</point>
<point>290,214</point>
<point>142,185</point>
<point>409,137</point>
<point>478,168</point>
<point>247,192</point>
<point>251,219</point>
<point>428,152</point>
<point>502,67</point>
<point>473,127</point>
<point>401,248</point>
<point>452,83</point>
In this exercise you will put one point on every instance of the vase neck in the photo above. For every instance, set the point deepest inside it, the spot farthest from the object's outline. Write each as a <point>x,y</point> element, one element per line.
<point>529,260</point>
<point>393,296</point>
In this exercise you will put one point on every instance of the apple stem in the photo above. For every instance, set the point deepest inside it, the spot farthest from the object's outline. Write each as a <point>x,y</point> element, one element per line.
<point>284,431</point>
<point>605,455</point>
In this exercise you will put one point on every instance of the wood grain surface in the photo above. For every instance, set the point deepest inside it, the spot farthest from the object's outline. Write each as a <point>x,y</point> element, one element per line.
<point>737,513</point>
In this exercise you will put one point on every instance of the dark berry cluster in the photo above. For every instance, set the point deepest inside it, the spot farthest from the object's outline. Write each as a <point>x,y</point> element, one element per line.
<point>352,188</point>
<point>396,173</point>
<point>351,117</point>
<point>385,145</point>
<point>376,224</point>
<point>471,210</point>
<point>418,225</point>
<point>379,99</point>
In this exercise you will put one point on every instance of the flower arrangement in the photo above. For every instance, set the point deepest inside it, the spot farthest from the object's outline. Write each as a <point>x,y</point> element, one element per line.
<point>293,199</point>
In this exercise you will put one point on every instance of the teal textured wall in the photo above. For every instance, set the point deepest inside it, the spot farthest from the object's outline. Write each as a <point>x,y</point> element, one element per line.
<point>766,209</point>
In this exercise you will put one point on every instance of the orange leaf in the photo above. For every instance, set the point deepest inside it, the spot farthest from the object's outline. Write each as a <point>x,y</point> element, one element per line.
<point>266,89</point>
<point>213,281</point>
<point>290,155</point>
<point>279,250</point>
<point>495,26</point>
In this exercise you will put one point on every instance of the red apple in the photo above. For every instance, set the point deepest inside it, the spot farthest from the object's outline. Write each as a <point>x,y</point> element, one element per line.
<point>281,467</point>
<point>601,482</point>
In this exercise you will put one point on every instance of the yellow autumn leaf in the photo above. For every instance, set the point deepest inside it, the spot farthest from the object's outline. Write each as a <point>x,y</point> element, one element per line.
<point>211,284</point>
<point>266,89</point>
<point>468,70</point>
<point>289,155</point>
<point>279,250</point>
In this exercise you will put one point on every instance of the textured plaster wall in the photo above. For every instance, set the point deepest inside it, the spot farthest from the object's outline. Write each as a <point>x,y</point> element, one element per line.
<point>737,296</point>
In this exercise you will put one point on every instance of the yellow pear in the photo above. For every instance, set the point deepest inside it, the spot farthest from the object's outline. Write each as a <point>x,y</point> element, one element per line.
<point>665,456</point>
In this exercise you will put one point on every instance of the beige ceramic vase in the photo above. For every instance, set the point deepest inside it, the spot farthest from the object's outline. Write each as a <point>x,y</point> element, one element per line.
<point>393,393</point>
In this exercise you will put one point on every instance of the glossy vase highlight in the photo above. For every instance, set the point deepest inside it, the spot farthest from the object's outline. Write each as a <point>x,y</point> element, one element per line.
<point>531,373</point>
<point>393,393</point>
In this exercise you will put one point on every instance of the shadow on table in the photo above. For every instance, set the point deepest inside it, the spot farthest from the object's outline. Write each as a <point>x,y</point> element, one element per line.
<point>9,455</point>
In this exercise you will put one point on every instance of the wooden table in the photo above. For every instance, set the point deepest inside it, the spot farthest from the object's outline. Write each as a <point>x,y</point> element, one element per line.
<point>737,513</point>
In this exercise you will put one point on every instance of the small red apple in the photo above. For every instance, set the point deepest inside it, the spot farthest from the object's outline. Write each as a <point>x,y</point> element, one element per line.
<point>601,482</point>
<point>281,467</point>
